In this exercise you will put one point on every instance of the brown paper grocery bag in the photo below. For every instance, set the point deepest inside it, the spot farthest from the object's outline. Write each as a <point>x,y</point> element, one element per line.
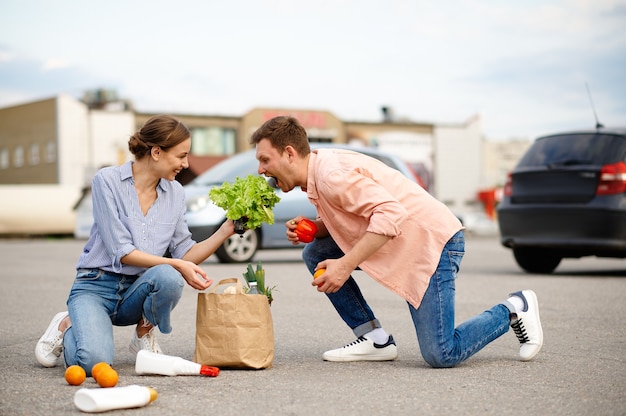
<point>234,330</point>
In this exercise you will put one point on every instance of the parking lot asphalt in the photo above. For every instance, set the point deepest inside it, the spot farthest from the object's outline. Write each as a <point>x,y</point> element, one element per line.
<point>581,369</point>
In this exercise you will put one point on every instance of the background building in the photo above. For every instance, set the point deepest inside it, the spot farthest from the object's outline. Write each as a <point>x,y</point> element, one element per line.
<point>50,150</point>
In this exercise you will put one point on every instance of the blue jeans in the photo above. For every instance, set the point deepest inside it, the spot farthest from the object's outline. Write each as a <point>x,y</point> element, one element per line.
<point>100,299</point>
<point>441,344</point>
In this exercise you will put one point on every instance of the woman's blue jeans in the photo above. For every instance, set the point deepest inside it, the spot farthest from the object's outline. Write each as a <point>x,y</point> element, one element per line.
<point>100,299</point>
<point>441,344</point>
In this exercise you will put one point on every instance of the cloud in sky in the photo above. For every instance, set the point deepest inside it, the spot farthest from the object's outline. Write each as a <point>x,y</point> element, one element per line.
<point>522,66</point>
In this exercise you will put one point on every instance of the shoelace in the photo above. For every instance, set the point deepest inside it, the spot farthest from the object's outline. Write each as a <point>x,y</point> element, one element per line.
<point>149,342</point>
<point>357,341</point>
<point>520,331</point>
<point>54,345</point>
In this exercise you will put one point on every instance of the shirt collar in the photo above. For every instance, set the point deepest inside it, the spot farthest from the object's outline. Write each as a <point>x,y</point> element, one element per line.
<point>126,170</point>
<point>311,188</point>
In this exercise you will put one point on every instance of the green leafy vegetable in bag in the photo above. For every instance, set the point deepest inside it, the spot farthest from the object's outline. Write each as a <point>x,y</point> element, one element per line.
<point>250,198</point>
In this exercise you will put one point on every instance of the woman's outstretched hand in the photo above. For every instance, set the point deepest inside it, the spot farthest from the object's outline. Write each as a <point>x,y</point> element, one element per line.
<point>193,275</point>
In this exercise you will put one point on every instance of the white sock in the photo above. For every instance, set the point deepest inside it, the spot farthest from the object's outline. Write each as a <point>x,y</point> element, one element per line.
<point>378,335</point>
<point>517,303</point>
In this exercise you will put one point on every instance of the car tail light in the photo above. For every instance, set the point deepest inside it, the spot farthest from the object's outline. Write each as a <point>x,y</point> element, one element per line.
<point>508,186</point>
<point>612,179</point>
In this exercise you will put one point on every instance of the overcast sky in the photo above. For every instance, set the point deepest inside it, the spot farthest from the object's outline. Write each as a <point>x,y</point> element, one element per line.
<point>521,65</point>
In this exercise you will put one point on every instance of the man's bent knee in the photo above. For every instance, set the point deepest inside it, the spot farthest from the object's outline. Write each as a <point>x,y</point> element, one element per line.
<point>439,360</point>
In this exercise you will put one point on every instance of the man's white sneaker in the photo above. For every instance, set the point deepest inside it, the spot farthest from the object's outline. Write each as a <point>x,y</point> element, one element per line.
<point>147,342</point>
<point>50,345</point>
<point>364,349</point>
<point>527,325</point>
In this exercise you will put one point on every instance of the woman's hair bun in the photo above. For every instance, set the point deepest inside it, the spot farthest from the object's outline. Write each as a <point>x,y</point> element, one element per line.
<point>163,131</point>
<point>137,146</point>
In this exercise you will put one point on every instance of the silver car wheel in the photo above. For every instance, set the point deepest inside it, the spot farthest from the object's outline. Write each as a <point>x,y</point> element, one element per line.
<point>239,249</point>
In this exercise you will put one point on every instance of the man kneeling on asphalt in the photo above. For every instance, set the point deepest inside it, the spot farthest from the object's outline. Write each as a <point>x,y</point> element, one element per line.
<point>372,217</point>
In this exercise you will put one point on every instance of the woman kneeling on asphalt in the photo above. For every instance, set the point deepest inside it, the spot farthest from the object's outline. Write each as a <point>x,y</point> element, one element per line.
<point>123,275</point>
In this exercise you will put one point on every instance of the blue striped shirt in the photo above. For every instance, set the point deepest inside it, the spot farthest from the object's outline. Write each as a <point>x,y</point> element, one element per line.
<point>120,227</point>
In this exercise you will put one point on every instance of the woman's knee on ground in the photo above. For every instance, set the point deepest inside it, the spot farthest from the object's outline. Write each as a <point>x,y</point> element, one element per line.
<point>88,355</point>
<point>87,362</point>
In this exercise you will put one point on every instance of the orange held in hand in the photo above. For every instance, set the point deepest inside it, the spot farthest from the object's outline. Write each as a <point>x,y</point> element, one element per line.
<point>318,273</point>
<point>75,375</point>
<point>105,375</point>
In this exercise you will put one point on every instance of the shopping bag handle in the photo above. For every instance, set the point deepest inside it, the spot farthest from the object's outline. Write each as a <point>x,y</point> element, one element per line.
<point>226,281</point>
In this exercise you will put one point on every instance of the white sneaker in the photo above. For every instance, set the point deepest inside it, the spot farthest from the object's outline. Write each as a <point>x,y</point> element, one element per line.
<point>147,342</point>
<point>364,349</point>
<point>50,345</point>
<point>527,325</point>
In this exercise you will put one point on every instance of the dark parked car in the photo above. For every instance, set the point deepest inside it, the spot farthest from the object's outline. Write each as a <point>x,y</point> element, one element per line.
<point>203,217</point>
<point>566,198</point>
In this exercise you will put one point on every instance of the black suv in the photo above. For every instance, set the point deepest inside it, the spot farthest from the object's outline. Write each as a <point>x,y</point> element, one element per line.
<point>566,198</point>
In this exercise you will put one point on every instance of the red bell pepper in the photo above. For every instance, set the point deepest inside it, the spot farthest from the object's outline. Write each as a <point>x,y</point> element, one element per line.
<point>306,230</point>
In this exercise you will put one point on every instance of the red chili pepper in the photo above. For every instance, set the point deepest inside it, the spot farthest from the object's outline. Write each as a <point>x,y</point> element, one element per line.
<point>209,371</point>
<point>306,230</point>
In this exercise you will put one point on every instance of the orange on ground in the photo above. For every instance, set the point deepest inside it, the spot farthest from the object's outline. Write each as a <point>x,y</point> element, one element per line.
<point>75,375</point>
<point>107,377</point>
<point>318,273</point>
<point>95,370</point>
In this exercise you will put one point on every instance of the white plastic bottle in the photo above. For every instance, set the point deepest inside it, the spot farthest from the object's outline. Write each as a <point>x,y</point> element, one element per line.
<point>102,400</point>
<point>149,362</point>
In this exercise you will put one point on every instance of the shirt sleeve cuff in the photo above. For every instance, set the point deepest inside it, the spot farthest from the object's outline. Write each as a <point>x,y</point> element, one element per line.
<point>121,252</point>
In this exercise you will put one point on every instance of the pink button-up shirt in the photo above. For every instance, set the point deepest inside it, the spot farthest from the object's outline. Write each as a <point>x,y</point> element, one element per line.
<point>354,194</point>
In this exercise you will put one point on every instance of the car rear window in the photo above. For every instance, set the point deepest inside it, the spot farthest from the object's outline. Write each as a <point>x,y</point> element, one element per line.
<point>575,149</point>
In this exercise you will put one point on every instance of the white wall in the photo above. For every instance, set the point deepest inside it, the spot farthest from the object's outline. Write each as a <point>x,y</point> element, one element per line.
<point>458,164</point>
<point>72,134</point>
<point>500,158</point>
<point>38,209</point>
<point>108,145</point>
<point>89,140</point>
